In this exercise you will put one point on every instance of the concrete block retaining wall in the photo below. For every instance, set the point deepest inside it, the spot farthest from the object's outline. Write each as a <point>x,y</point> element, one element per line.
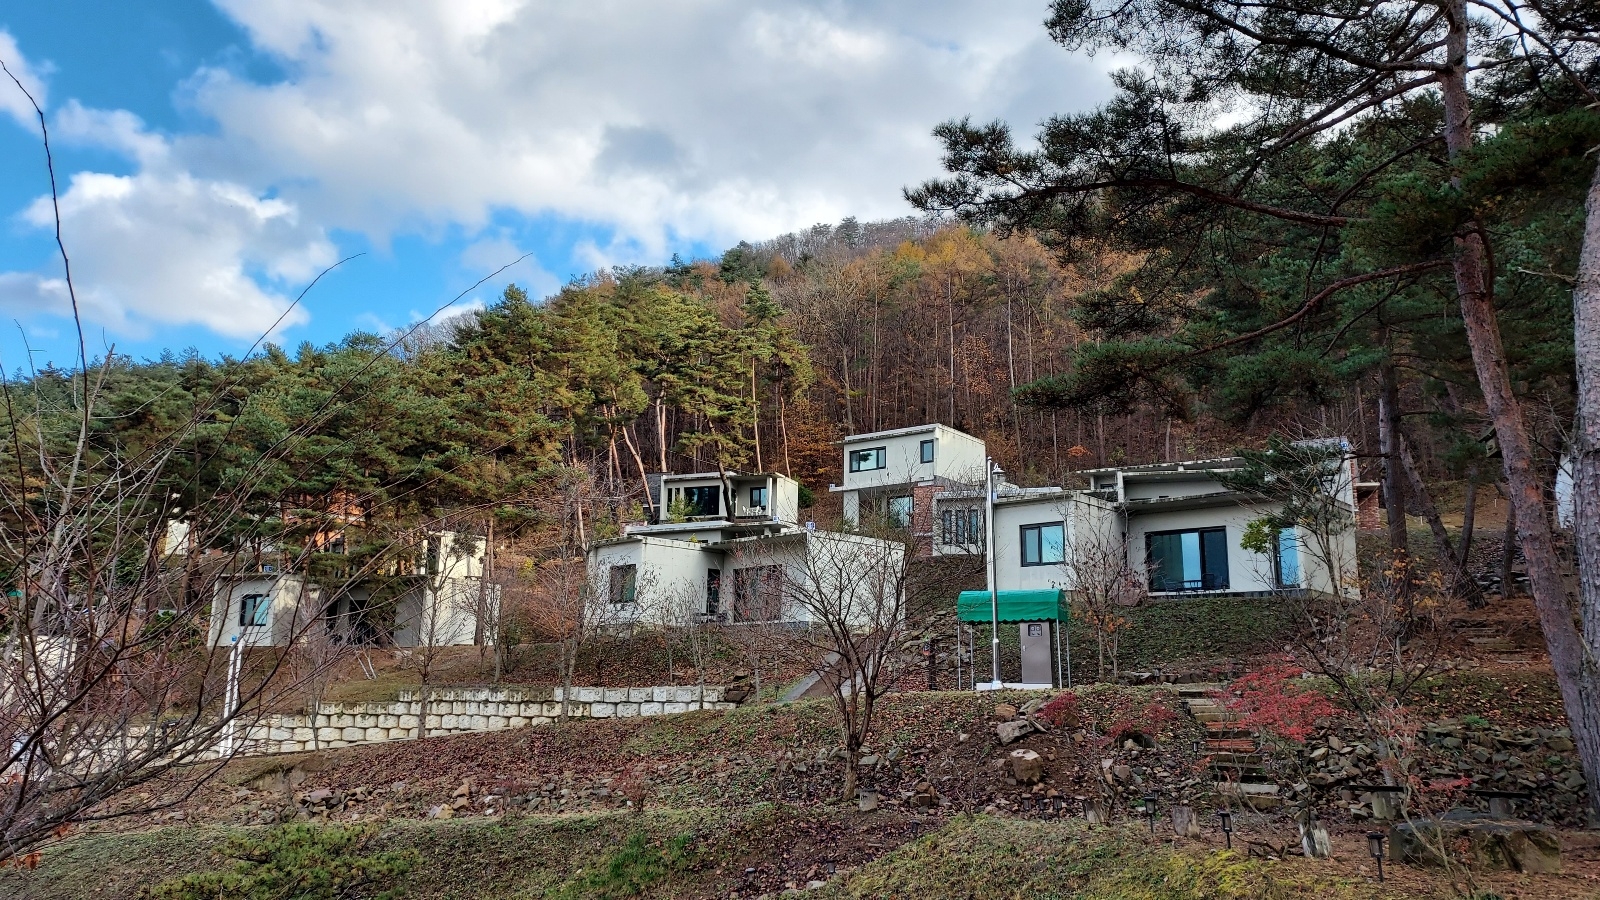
<point>457,710</point>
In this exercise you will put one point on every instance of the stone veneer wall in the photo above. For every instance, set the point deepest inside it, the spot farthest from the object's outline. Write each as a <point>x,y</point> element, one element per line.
<point>457,710</point>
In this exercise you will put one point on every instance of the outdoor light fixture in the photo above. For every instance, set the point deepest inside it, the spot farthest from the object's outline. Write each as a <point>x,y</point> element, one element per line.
<point>1150,811</point>
<point>1375,847</point>
<point>1227,827</point>
<point>1195,746</point>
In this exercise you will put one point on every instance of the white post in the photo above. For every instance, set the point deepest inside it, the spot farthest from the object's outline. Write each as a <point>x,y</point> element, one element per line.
<point>230,700</point>
<point>991,470</point>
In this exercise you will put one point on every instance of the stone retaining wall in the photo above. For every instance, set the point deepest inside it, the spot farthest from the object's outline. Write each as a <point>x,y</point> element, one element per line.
<point>457,710</point>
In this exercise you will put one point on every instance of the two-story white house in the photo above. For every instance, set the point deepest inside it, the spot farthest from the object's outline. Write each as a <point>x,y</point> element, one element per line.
<point>892,476</point>
<point>728,548</point>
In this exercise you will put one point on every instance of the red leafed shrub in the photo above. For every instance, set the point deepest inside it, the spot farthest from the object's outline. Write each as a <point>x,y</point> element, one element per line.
<point>1269,701</point>
<point>1146,723</point>
<point>1061,712</point>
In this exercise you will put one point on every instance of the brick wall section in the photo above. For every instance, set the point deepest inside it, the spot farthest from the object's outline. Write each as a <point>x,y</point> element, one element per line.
<point>923,524</point>
<point>460,710</point>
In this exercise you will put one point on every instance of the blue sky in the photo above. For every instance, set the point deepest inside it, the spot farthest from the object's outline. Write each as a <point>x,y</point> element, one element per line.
<point>214,156</point>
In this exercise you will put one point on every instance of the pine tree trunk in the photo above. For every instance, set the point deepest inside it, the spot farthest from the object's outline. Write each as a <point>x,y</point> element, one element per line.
<point>1586,448</point>
<point>1388,446</point>
<point>1570,655</point>
<point>1449,561</point>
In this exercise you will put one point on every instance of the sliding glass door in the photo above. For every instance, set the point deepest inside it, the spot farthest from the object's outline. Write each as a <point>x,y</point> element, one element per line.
<point>1193,560</point>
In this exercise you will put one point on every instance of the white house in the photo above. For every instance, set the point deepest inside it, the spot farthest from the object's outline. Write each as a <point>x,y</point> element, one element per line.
<point>730,549</point>
<point>1179,528</point>
<point>438,606</point>
<point>893,475</point>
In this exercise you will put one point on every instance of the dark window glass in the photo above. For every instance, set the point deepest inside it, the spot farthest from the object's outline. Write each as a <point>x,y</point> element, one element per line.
<point>624,584</point>
<point>866,460</point>
<point>961,526</point>
<point>927,451</point>
<point>1044,545</point>
<point>702,500</point>
<point>900,512</point>
<point>713,591</point>
<point>253,610</point>
<point>1188,560</point>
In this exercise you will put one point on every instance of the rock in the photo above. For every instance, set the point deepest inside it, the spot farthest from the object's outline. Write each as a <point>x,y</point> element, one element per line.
<point>1005,711</point>
<point>1560,744</point>
<point>319,796</point>
<point>1010,732</point>
<point>1027,766</point>
<point>867,801</point>
<point>1033,706</point>
<point>441,812</point>
<point>1491,844</point>
<point>1184,822</point>
<point>1335,744</point>
<point>465,790</point>
<point>870,760</point>
<point>1122,774</point>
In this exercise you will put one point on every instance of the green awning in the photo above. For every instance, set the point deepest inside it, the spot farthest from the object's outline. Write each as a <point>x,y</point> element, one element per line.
<point>1015,606</point>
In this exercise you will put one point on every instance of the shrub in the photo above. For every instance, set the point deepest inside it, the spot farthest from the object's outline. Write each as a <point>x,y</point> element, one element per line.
<point>300,862</point>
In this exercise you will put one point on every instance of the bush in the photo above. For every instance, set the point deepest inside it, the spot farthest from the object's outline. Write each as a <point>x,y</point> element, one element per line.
<point>300,862</point>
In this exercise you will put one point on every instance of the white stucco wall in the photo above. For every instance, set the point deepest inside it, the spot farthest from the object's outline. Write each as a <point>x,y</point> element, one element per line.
<point>1247,571</point>
<point>671,576</point>
<point>956,456</point>
<point>292,602</point>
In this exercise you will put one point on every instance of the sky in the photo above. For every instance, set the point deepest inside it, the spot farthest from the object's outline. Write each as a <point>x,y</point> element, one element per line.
<point>212,158</point>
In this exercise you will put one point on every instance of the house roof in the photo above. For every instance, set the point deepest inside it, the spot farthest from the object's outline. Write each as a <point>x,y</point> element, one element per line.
<point>1014,606</point>
<point>1188,466</point>
<point>900,432</point>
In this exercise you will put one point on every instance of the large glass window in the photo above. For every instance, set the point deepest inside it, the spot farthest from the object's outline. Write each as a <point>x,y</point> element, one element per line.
<point>253,610</point>
<point>961,526</point>
<point>624,584</point>
<point>1188,560</point>
<point>866,460</point>
<point>1044,545</point>
<point>758,498</point>
<point>1288,558</point>
<point>702,500</point>
<point>900,512</point>
<point>927,451</point>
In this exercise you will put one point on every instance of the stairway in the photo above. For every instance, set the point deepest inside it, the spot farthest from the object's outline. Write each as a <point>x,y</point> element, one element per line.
<point>1490,639</point>
<point>1230,750</point>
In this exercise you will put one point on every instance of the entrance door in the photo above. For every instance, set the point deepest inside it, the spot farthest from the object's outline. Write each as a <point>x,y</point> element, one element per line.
<point>1037,667</point>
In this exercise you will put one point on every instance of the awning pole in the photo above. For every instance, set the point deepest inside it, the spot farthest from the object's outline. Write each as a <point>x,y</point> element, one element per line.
<point>989,469</point>
<point>1060,672</point>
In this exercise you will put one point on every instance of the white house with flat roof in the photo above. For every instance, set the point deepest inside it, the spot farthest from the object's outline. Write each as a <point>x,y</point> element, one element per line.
<point>889,474</point>
<point>1181,531</point>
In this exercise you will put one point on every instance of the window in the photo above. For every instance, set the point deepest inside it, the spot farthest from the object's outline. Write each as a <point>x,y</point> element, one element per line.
<point>1188,560</point>
<point>900,512</point>
<point>758,594</point>
<point>866,460</point>
<point>624,584</point>
<point>713,591</point>
<point>253,610</point>
<point>702,501</point>
<point>961,526</point>
<point>927,451</point>
<point>758,498</point>
<point>1044,545</point>
<point>1288,558</point>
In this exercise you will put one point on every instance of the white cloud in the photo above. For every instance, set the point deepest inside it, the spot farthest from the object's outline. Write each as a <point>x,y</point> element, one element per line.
<point>712,120</point>
<point>12,101</point>
<point>645,122</point>
<point>167,249</point>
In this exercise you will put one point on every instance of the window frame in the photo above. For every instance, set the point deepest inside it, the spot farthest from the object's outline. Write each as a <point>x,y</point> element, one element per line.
<point>896,521</point>
<point>260,605</point>
<point>691,495</point>
<point>1022,537</point>
<point>961,522</point>
<point>1200,533</point>
<point>626,592</point>
<point>760,490</point>
<point>713,592</point>
<point>853,459</point>
<point>925,450</point>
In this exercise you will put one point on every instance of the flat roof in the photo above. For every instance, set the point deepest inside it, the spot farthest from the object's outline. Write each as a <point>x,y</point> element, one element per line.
<point>900,432</point>
<point>1191,465</point>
